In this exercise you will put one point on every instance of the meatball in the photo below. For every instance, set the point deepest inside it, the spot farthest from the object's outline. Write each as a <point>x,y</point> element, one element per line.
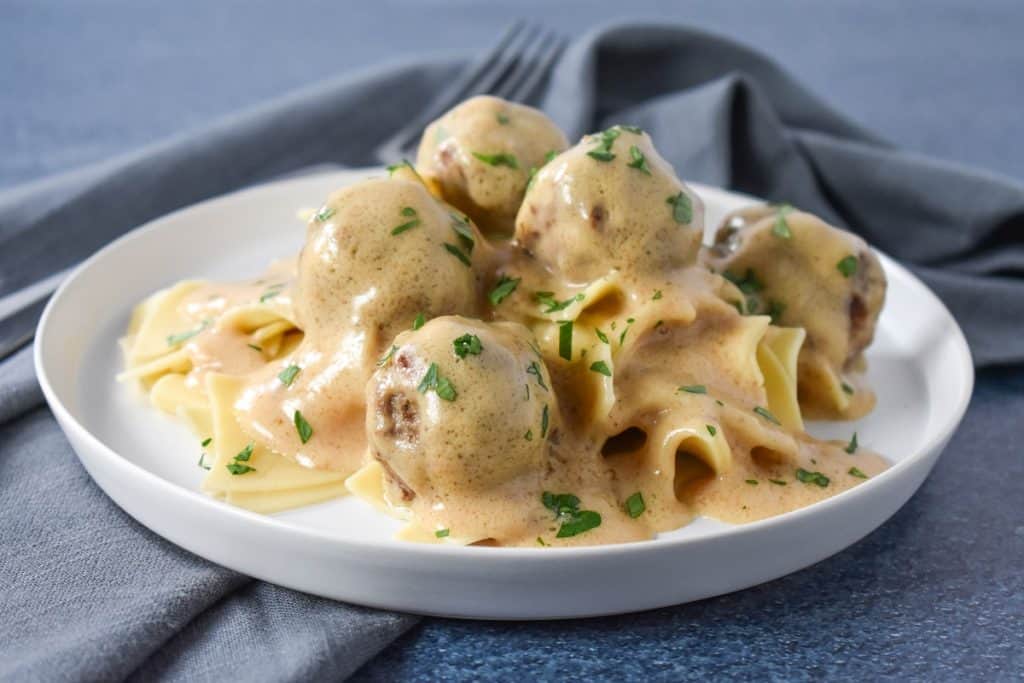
<point>460,414</point>
<point>378,254</point>
<point>804,273</point>
<point>610,202</point>
<point>480,155</point>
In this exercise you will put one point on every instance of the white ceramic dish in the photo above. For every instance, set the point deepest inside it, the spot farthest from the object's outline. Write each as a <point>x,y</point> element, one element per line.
<point>147,463</point>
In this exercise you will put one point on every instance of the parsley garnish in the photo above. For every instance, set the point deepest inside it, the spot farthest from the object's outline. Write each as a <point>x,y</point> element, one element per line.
<point>467,344</point>
<point>271,292</point>
<point>711,430</point>
<point>603,151</point>
<point>408,212</point>
<point>752,482</point>
<point>566,507</point>
<point>238,468</point>
<point>505,287</point>
<point>255,348</point>
<point>457,253</point>
<point>387,356</point>
<point>854,472</point>
<point>460,224</point>
<point>781,226</point>
<point>534,369</point>
<point>528,435</point>
<point>851,447</point>
<point>748,284</point>
<point>694,389</point>
<point>324,214</point>
<point>207,441</point>
<point>639,161</point>
<point>601,335</point>
<point>302,427</point>
<point>775,311</point>
<point>777,481</point>
<point>553,305</point>
<point>287,376</point>
<point>202,463</point>
<point>541,541</point>
<point>847,388</point>
<point>175,339</point>
<point>565,339</point>
<point>657,295</point>
<point>601,368</point>
<point>763,412</point>
<point>442,533</point>
<point>238,465</point>
<point>682,208</point>
<point>533,170</point>
<point>635,505</point>
<point>502,119</point>
<point>847,266</point>
<point>812,477</point>
<point>432,380</point>
<point>631,129</point>
<point>622,337</point>
<point>544,417</point>
<point>498,159</point>
<point>419,321</point>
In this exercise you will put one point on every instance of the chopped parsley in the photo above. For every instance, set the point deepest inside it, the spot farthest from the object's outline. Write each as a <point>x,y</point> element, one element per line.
<point>635,505</point>
<point>635,130</point>
<point>528,435</point>
<point>408,212</point>
<point>238,466</point>
<point>601,368</point>
<point>851,447</point>
<point>287,376</point>
<point>534,369</point>
<point>433,380</point>
<point>565,339</point>
<point>442,533</point>
<point>566,507</point>
<point>302,427</point>
<point>387,356</point>
<point>781,226</point>
<point>847,266</point>
<point>812,477</point>
<point>639,161</point>
<point>502,290</point>
<point>271,292</point>
<point>457,253</point>
<point>711,430</point>
<point>419,321</point>
<point>207,441</point>
<point>202,461</point>
<point>763,412</point>
<point>533,170</point>
<point>255,348</point>
<point>657,295</point>
<point>246,453</point>
<point>694,389</point>
<point>854,472</point>
<point>752,482</point>
<point>502,119</point>
<point>622,337</point>
<point>603,151</point>
<point>601,335</point>
<point>498,159</point>
<point>460,224</point>
<point>544,417</point>
<point>847,389</point>
<point>541,542</point>
<point>748,284</point>
<point>553,305</point>
<point>325,213</point>
<point>778,482</point>
<point>467,344</point>
<point>181,337</point>
<point>682,208</point>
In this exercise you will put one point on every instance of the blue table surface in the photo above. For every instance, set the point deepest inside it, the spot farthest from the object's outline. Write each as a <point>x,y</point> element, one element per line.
<point>936,593</point>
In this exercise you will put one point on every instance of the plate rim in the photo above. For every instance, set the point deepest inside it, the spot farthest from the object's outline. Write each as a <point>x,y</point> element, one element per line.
<point>415,550</point>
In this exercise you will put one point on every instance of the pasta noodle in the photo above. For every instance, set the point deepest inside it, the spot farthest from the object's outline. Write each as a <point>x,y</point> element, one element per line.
<point>517,342</point>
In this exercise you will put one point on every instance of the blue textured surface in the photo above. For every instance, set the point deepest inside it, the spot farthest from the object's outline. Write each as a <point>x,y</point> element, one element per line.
<point>937,593</point>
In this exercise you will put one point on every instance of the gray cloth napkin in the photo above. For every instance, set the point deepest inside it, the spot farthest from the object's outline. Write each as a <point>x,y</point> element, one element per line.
<point>90,594</point>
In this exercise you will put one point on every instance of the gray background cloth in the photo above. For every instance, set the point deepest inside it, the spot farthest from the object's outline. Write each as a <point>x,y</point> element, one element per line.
<point>936,592</point>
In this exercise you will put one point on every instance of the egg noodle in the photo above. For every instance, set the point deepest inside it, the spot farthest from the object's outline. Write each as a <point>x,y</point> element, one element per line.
<point>516,342</point>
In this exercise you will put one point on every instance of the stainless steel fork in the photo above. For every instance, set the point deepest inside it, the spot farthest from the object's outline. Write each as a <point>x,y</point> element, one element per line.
<point>512,69</point>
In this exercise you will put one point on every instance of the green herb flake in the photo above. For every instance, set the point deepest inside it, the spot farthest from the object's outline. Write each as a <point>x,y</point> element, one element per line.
<point>847,389</point>
<point>752,482</point>
<point>246,453</point>
<point>498,159</point>
<point>565,339</point>
<point>457,253</point>
<point>566,507</point>
<point>207,441</point>
<point>851,447</point>
<point>502,119</point>
<point>657,295</point>
<point>584,520</point>
<point>682,208</point>
<point>442,386</point>
<point>528,435</point>
<point>635,505</point>
<point>202,462</point>
<point>777,482</point>
<point>419,321</point>
<point>302,427</point>
<point>442,533</point>
<point>287,376</point>
<point>504,288</point>
<point>464,232</point>
<point>553,305</point>
<point>534,369</point>
<point>748,284</point>
<point>601,368</point>
<point>467,344</point>
<point>639,161</point>
<point>854,472</point>
<point>781,226</point>
<point>544,417</point>
<point>632,129</point>
<point>255,348</point>
<point>847,266</point>
<point>387,357</point>
<point>764,412</point>
<point>694,389</point>
<point>711,430</point>
<point>719,402</point>
<point>601,335</point>
<point>541,542</point>
<point>238,468</point>
<point>181,337</point>
<point>408,212</point>
<point>324,214</point>
<point>271,292</point>
<point>560,503</point>
<point>812,477</point>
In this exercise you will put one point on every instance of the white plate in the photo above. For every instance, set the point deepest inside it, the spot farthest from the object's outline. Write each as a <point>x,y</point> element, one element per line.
<point>147,463</point>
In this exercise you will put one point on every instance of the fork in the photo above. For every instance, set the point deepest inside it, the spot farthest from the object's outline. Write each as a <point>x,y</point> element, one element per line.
<point>512,70</point>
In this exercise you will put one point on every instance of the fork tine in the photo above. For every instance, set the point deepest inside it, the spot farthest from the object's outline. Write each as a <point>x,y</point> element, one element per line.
<point>491,82</point>
<point>474,80</point>
<point>522,91</point>
<point>521,65</point>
